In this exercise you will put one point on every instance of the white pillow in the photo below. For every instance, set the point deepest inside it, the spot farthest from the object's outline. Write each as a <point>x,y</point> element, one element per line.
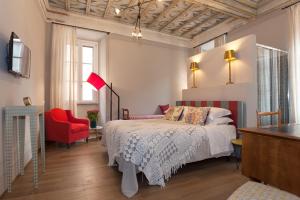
<point>215,113</point>
<point>219,121</point>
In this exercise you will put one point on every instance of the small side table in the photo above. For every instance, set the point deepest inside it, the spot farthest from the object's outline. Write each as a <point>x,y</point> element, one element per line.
<point>97,131</point>
<point>35,113</point>
<point>237,145</point>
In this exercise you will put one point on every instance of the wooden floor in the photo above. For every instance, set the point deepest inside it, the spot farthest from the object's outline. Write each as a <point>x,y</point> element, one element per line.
<point>81,173</point>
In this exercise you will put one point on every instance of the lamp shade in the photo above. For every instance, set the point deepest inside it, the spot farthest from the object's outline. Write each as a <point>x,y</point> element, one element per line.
<point>229,55</point>
<point>96,81</point>
<point>194,66</point>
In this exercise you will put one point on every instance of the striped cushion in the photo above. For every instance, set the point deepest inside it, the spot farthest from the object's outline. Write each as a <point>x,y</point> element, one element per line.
<point>236,108</point>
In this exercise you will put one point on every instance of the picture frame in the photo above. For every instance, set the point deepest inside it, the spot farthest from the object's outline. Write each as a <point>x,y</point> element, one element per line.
<point>27,101</point>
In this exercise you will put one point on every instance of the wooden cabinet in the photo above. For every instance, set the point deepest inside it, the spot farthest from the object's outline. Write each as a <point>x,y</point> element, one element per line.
<point>272,156</point>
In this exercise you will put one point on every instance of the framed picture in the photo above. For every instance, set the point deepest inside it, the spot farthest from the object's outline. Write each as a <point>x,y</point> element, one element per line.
<point>27,101</point>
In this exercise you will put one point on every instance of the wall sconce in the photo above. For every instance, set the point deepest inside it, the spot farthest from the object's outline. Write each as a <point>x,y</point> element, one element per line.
<point>229,56</point>
<point>194,67</point>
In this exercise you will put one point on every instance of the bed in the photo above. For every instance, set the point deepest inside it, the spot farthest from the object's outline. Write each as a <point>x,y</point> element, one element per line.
<point>158,147</point>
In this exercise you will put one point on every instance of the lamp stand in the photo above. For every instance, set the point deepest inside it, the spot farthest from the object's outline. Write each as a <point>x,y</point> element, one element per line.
<point>111,101</point>
<point>229,81</point>
<point>194,80</point>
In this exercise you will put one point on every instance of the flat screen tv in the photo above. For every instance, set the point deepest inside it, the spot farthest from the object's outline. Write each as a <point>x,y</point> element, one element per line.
<point>19,57</point>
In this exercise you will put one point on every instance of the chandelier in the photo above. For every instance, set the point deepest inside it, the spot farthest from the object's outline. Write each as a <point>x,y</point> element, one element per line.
<point>137,32</point>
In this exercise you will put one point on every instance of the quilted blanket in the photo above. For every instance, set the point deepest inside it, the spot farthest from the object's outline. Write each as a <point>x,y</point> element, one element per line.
<point>157,148</point>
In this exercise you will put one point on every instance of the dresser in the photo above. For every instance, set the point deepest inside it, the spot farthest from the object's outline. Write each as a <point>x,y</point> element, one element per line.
<point>272,156</point>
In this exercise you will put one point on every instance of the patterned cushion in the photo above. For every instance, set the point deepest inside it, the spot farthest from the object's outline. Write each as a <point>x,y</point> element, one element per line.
<point>164,108</point>
<point>169,113</point>
<point>196,115</point>
<point>173,113</point>
<point>252,190</point>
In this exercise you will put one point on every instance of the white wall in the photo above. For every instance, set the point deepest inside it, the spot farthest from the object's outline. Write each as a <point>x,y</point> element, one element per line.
<point>23,17</point>
<point>213,75</point>
<point>146,74</point>
<point>271,30</point>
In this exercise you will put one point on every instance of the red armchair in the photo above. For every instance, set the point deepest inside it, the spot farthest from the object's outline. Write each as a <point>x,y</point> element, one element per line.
<point>63,127</point>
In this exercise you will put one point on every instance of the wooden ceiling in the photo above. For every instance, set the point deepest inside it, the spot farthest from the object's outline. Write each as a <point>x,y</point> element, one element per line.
<point>183,18</point>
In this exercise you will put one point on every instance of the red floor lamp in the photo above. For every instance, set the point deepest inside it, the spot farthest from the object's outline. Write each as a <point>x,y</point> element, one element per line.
<point>97,82</point>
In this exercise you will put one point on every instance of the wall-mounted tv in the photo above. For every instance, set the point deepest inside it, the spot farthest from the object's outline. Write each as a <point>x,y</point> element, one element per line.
<point>19,57</point>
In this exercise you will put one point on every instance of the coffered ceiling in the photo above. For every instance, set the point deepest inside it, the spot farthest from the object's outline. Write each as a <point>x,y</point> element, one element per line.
<point>182,18</point>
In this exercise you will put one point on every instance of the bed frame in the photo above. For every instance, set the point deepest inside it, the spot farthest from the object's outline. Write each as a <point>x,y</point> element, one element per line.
<point>237,108</point>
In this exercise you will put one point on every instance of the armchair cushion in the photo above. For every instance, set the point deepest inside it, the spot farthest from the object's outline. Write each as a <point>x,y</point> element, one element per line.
<point>75,127</point>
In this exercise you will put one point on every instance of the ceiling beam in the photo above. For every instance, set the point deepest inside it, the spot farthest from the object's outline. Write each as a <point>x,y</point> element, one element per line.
<point>67,5</point>
<point>213,25</point>
<point>230,7</point>
<point>177,16</point>
<point>164,12</point>
<point>274,5</point>
<point>145,10</point>
<point>88,6</point>
<point>130,3</point>
<point>107,8</point>
<point>249,3</point>
<point>199,25</point>
<point>224,27</point>
<point>191,20</point>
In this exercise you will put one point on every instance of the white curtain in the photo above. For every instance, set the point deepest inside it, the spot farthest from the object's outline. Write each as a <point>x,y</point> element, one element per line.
<point>63,89</point>
<point>272,82</point>
<point>294,63</point>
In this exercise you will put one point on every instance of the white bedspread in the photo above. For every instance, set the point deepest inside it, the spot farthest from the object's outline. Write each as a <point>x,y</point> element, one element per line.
<point>159,147</point>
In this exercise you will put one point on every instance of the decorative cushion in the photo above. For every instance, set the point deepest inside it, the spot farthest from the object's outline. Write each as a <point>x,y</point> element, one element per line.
<point>196,115</point>
<point>173,113</point>
<point>185,111</point>
<point>169,113</point>
<point>177,113</point>
<point>76,127</point>
<point>164,108</point>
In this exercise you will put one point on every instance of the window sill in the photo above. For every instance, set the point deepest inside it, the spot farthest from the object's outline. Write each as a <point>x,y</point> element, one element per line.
<point>87,103</point>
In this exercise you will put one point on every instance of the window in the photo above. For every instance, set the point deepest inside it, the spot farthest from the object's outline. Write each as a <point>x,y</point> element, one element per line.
<point>211,44</point>
<point>88,63</point>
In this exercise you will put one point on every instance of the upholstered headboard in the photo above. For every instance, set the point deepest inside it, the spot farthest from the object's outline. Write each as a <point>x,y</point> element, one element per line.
<point>237,109</point>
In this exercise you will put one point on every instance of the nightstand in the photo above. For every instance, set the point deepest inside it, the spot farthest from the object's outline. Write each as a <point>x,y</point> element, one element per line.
<point>237,146</point>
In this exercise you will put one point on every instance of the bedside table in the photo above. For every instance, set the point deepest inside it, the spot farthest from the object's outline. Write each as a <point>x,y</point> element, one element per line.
<point>237,146</point>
